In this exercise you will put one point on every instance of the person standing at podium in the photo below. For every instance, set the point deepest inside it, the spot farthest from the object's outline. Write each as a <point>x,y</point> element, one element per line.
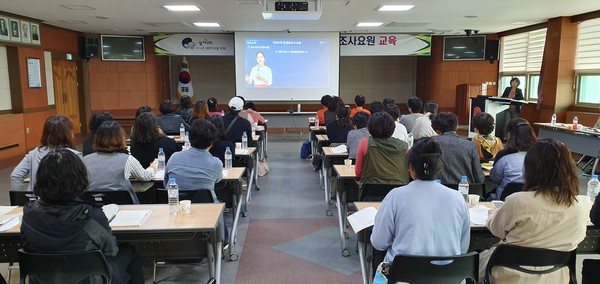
<point>515,93</point>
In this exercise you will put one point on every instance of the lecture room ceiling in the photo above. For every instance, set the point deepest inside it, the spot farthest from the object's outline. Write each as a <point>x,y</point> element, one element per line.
<point>138,17</point>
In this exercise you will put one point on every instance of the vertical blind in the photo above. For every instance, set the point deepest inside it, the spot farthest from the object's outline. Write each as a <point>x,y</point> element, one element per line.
<point>523,52</point>
<point>588,45</point>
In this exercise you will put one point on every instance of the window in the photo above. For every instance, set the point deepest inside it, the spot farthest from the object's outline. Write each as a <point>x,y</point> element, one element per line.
<point>587,62</point>
<point>521,57</point>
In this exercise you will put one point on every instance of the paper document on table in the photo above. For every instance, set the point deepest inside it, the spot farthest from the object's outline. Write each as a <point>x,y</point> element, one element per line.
<point>239,151</point>
<point>159,174</point>
<point>9,222</point>
<point>479,215</point>
<point>362,219</point>
<point>6,209</point>
<point>110,210</point>
<point>339,149</point>
<point>126,218</point>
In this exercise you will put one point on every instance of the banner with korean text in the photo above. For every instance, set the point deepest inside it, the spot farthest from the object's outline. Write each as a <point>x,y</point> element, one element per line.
<point>194,44</point>
<point>385,44</point>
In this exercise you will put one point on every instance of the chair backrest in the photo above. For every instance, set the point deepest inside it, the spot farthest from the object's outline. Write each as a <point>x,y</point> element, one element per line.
<point>474,188</point>
<point>202,195</point>
<point>108,196</point>
<point>376,191</point>
<point>519,258</point>
<point>590,273</point>
<point>510,189</point>
<point>63,268</point>
<point>434,269</point>
<point>20,198</point>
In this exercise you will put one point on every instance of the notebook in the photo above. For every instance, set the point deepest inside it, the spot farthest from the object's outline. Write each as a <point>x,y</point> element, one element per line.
<point>125,218</point>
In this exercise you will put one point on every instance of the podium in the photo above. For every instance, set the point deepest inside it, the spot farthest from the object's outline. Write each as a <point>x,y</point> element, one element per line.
<point>496,107</point>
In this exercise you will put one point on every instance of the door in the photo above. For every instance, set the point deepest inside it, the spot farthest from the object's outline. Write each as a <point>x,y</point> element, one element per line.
<point>66,95</point>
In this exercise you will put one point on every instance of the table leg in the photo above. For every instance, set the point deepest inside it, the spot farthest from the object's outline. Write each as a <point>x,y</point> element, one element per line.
<point>363,263</point>
<point>345,251</point>
<point>217,276</point>
<point>211,258</point>
<point>236,217</point>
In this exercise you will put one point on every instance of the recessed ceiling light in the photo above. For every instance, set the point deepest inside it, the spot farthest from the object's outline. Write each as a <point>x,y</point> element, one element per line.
<point>182,8</point>
<point>394,8</point>
<point>213,25</point>
<point>369,24</point>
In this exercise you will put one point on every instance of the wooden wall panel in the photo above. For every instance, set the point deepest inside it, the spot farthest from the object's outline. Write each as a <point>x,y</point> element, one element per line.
<point>61,40</point>
<point>13,124</point>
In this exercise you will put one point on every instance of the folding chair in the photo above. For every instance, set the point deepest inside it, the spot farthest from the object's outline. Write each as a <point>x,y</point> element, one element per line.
<point>434,269</point>
<point>64,268</point>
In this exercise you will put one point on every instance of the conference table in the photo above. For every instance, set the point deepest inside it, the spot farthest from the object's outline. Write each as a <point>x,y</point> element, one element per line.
<point>585,141</point>
<point>481,238</point>
<point>163,236</point>
<point>288,119</point>
<point>328,158</point>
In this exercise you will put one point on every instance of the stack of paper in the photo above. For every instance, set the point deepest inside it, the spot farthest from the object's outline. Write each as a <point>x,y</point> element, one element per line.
<point>110,210</point>
<point>159,174</point>
<point>362,219</point>
<point>127,218</point>
<point>479,215</point>
<point>239,151</point>
<point>339,149</point>
<point>7,222</point>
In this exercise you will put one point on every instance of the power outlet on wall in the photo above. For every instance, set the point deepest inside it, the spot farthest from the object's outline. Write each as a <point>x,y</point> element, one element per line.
<point>27,129</point>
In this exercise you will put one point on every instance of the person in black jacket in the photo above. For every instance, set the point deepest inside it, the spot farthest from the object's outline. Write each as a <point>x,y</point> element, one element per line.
<point>60,222</point>
<point>146,139</point>
<point>337,130</point>
<point>218,148</point>
<point>170,122</point>
<point>234,133</point>
<point>515,93</point>
<point>95,121</point>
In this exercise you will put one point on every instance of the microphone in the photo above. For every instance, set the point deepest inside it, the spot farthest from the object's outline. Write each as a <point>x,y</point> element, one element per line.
<point>291,110</point>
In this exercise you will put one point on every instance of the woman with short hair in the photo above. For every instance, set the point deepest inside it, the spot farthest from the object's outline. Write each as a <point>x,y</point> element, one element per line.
<point>95,121</point>
<point>56,134</point>
<point>546,215</point>
<point>147,139</point>
<point>487,144</point>
<point>337,130</point>
<point>59,222</point>
<point>169,121</point>
<point>220,145</point>
<point>424,217</point>
<point>200,111</point>
<point>185,108</point>
<point>110,167</point>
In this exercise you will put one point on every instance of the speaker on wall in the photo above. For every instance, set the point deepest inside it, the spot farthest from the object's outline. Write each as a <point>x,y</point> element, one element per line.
<point>491,50</point>
<point>90,47</point>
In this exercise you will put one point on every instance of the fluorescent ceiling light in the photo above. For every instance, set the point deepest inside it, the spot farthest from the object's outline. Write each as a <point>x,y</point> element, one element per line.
<point>182,8</point>
<point>369,24</point>
<point>394,8</point>
<point>214,25</point>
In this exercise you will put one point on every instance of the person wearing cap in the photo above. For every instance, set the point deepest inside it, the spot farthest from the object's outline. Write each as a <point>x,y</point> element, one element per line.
<point>212,107</point>
<point>234,124</point>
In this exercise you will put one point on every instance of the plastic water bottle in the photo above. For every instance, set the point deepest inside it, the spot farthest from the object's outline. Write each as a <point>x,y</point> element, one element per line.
<point>593,188</point>
<point>173,193</point>
<point>317,121</point>
<point>553,121</point>
<point>463,188</point>
<point>223,112</point>
<point>228,158</point>
<point>161,159</point>
<point>182,131</point>
<point>438,180</point>
<point>254,124</point>
<point>186,141</point>
<point>575,123</point>
<point>410,140</point>
<point>244,140</point>
<point>299,108</point>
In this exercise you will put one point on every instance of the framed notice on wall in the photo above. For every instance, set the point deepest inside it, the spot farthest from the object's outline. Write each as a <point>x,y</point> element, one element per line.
<point>34,74</point>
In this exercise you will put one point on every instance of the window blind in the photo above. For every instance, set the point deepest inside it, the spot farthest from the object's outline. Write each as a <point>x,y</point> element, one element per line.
<point>588,45</point>
<point>523,52</point>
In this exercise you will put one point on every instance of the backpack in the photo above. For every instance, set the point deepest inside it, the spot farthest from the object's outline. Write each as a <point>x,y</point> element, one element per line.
<point>305,150</point>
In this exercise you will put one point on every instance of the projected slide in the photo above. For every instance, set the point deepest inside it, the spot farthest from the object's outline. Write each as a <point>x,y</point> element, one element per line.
<point>276,66</point>
<point>287,63</point>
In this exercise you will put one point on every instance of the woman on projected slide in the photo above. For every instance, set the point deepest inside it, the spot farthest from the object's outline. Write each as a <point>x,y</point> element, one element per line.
<point>260,75</point>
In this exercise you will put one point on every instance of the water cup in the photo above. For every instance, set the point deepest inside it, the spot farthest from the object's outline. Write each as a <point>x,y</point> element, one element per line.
<point>348,163</point>
<point>474,200</point>
<point>186,206</point>
<point>238,145</point>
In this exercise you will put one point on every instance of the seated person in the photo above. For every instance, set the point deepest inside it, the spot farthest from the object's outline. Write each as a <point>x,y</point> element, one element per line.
<point>376,106</point>
<point>56,134</point>
<point>337,130</point>
<point>220,145</point>
<point>185,108</point>
<point>423,217</point>
<point>422,127</point>
<point>460,157</point>
<point>236,125</point>
<point>110,167</point>
<point>95,121</point>
<point>200,111</point>
<point>547,214</point>
<point>146,139</point>
<point>360,131</point>
<point>250,108</point>
<point>400,130</point>
<point>212,107</point>
<point>59,222</point>
<point>330,115</point>
<point>508,166</point>
<point>487,144</point>
<point>168,121</point>
<point>360,103</point>
<point>196,168</point>
<point>414,107</point>
<point>321,113</point>
<point>381,158</point>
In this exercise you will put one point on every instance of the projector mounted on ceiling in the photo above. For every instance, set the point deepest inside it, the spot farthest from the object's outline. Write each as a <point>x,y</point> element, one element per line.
<point>309,10</point>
